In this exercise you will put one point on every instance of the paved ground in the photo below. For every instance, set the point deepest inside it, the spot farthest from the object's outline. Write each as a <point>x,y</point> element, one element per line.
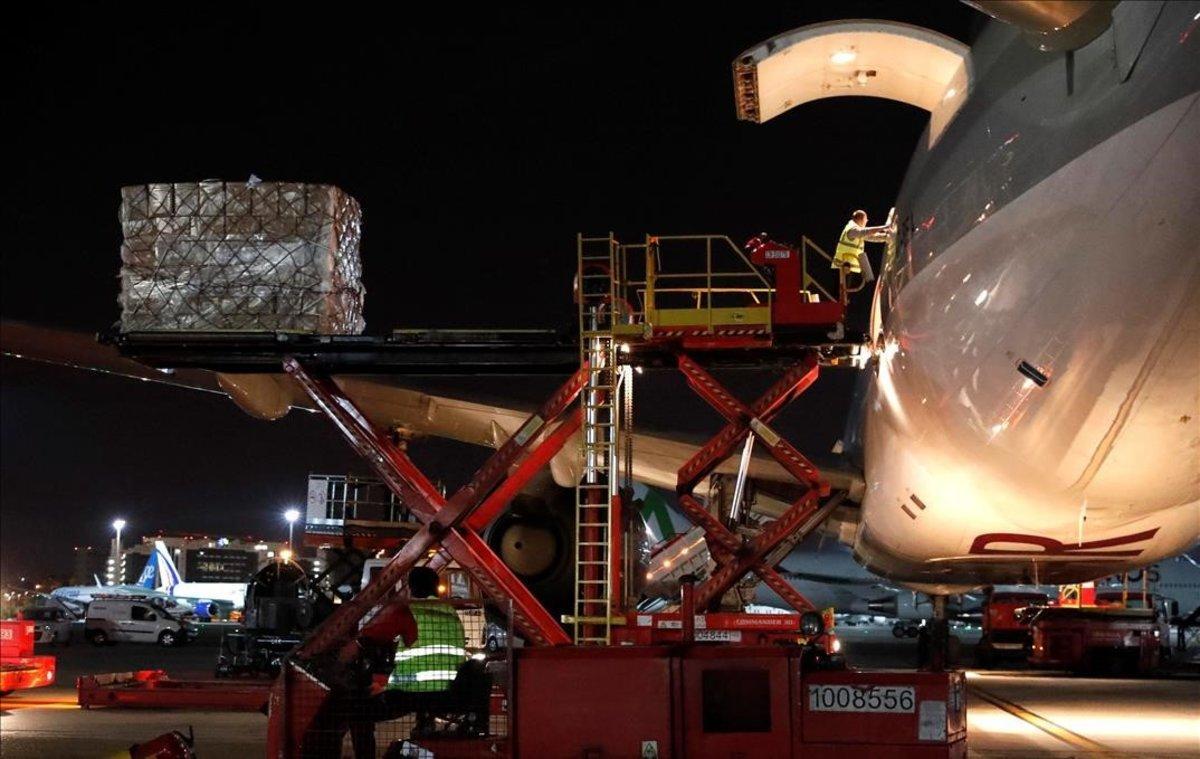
<point>47,722</point>
<point>1023,714</point>
<point>1011,714</point>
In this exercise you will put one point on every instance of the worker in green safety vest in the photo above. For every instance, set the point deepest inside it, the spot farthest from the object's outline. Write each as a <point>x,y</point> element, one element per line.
<point>431,674</point>
<point>432,647</point>
<point>850,254</point>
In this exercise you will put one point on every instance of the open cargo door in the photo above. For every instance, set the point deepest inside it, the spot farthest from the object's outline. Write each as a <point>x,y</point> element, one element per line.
<point>880,59</point>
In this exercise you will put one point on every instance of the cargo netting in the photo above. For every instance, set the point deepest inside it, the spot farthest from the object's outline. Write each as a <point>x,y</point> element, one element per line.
<point>240,256</point>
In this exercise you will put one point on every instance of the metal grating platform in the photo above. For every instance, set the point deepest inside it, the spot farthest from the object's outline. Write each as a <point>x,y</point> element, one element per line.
<point>440,352</point>
<point>436,352</point>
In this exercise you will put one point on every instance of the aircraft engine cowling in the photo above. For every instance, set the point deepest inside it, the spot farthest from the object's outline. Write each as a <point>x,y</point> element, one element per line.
<point>534,538</point>
<point>902,605</point>
<point>262,396</point>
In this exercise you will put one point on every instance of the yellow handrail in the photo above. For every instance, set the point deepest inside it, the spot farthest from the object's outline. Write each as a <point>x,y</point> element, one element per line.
<point>744,278</point>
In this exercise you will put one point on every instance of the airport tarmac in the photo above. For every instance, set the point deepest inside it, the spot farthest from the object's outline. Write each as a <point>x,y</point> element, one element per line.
<point>1011,713</point>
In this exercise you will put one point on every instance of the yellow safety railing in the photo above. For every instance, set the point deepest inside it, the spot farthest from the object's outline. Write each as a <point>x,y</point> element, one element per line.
<point>721,286</point>
<point>702,281</point>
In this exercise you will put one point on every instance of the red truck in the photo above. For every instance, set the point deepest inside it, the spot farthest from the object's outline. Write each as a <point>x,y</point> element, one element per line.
<point>1096,639</point>
<point>1006,631</point>
<point>19,668</point>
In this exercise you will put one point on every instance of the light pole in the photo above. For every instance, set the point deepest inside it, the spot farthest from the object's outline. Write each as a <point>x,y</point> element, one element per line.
<point>118,524</point>
<point>291,515</point>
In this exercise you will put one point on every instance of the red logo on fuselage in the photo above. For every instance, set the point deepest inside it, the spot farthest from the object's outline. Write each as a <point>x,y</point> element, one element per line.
<point>1051,547</point>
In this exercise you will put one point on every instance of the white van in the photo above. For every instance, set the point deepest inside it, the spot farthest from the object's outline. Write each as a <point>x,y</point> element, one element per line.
<point>138,620</point>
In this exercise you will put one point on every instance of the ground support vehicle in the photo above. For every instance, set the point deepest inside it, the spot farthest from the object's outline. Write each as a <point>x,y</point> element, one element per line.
<point>1095,639</point>
<point>137,619</point>
<point>19,668</point>
<point>1006,630</point>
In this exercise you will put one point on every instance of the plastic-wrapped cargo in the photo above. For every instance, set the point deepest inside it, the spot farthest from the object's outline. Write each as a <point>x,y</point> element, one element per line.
<point>241,256</point>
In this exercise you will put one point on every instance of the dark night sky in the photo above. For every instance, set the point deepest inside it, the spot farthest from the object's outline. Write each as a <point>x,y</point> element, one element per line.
<point>478,143</point>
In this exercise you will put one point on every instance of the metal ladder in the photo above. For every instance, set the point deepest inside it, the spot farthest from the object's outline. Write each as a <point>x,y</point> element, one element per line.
<point>596,258</point>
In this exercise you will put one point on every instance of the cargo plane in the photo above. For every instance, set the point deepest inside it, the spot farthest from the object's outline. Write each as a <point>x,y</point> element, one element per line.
<point>1031,413</point>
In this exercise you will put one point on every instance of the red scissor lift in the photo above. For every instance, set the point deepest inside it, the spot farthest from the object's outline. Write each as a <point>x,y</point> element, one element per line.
<point>667,700</point>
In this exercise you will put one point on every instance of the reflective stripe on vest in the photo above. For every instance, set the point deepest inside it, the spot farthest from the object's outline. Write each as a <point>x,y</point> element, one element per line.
<point>847,250</point>
<point>431,662</point>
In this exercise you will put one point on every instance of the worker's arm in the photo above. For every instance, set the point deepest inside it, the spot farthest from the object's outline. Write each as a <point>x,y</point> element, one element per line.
<point>882,233</point>
<point>395,621</point>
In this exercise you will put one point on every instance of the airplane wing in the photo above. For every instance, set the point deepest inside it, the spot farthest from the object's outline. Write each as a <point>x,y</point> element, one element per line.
<point>391,406</point>
<point>80,350</point>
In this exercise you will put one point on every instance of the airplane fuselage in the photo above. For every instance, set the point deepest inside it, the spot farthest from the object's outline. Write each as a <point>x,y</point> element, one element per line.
<point>1035,410</point>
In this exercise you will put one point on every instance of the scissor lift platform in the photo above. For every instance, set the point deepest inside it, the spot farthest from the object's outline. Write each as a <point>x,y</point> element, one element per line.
<point>774,316</point>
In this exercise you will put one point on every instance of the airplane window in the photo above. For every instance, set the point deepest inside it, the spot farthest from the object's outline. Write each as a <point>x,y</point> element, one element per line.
<point>736,700</point>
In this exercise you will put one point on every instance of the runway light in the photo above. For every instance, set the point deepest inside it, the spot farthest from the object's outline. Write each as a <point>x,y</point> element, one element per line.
<point>842,57</point>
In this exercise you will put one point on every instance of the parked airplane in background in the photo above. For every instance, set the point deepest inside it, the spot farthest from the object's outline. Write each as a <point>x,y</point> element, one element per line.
<point>160,579</point>
<point>201,595</point>
<point>1175,580</point>
<point>79,596</point>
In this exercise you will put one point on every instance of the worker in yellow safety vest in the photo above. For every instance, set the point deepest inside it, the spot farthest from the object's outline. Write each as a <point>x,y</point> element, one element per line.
<point>431,646</point>
<point>431,673</point>
<point>850,255</point>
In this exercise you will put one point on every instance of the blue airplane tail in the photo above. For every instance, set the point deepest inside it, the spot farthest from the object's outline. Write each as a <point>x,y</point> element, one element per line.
<point>167,574</point>
<point>146,578</point>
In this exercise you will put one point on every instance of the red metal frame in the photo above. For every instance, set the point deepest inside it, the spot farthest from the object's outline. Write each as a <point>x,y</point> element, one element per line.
<point>787,307</point>
<point>735,558</point>
<point>152,689</point>
<point>727,628</point>
<point>446,521</point>
<point>448,532</point>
